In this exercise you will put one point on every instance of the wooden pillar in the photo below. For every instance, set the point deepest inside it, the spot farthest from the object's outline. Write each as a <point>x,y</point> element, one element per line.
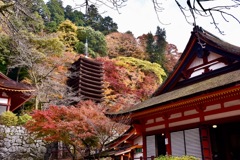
<point>206,143</point>
<point>121,157</point>
<point>167,135</point>
<point>168,142</point>
<point>144,146</point>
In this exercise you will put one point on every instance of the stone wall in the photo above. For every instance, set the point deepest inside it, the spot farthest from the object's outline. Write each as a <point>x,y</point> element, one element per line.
<point>17,144</point>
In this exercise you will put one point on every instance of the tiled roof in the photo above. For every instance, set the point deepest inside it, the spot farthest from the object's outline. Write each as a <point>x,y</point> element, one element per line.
<point>217,42</point>
<point>206,37</point>
<point>10,85</point>
<point>197,88</point>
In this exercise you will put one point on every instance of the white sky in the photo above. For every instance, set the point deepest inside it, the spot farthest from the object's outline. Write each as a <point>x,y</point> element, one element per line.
<point>139,17</point>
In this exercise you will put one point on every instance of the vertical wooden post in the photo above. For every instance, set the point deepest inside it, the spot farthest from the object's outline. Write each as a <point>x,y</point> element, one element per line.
<point>206,144</point>
<point>168,142</point>
<point>144,146</point>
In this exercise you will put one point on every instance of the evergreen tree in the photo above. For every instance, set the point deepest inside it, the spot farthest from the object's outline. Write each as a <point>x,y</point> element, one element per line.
<point>93,18</point>
<point>160,46</point>
<point>57,14</point>
<point>77,17</point>
<point>41,8</point>
<point>150,47</point>
<point>98,23</point>
<point>108,26</point>
<point>96,42</point>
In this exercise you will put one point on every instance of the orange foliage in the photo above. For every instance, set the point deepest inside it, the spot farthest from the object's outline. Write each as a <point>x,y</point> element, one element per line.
<point>75,125</point>
<point>126,86</point>
<point>124,44</point>
<point>171,57</point>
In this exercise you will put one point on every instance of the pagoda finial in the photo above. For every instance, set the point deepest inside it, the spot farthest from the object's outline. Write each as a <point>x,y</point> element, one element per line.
<point>86,48</point>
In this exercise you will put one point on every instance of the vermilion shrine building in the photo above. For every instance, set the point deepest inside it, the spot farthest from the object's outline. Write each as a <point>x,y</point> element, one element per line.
<point>196,111</point>
<point>13,94</point>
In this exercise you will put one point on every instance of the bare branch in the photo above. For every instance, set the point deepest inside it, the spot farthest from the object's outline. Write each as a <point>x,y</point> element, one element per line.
<point>196,8</point>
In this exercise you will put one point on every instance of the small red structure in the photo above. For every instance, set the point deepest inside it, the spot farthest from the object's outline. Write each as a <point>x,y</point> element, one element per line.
<point>13,94</point>
<point>196,111</point>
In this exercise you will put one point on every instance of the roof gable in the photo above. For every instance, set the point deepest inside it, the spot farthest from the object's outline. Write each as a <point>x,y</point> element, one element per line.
<point>206,67</point>
<point>204,57</point>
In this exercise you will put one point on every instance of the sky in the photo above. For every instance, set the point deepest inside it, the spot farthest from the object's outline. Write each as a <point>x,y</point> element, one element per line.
<point>139,17</point>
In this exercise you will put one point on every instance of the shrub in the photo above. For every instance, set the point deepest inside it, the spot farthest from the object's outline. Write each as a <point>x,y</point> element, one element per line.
<point>9,119</point>
<point>176,158</point>
<point>23,119</point>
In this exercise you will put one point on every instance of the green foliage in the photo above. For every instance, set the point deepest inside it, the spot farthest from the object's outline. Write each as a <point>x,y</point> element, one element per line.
<point>108,26</point>
<point>98,23</point>
<point>57,14</point>
<point>67,34</point>
<point>77,17</point>
<point>96,41</point>
<point>143,65</point>
<point>149,46</point>
<point>156,46</point>
<point>41,8</point>
<point>41,44</point>
<point>176,158</point>
<point>24,119</point>
<point>51,26</point>
<point>9,119</point>
<point>4,52</point>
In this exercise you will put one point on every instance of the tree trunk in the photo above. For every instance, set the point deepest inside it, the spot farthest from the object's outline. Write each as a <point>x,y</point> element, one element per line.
<point>36,103</point>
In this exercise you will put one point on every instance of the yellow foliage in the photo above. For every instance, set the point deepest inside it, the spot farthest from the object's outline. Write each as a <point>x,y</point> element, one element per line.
<point>145,66</point>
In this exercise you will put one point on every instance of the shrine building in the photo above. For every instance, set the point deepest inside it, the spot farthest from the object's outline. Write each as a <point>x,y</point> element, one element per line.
<point>196,111</point>
<point>13,94</point>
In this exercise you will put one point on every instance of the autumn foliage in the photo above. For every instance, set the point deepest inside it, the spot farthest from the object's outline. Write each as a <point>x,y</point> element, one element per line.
<point>67,124</point>
<point>76,126</point>
<point>124,44</point>
<point>129,81</point>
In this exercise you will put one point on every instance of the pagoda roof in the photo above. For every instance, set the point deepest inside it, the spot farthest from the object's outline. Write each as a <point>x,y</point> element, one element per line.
<point>88,82</point>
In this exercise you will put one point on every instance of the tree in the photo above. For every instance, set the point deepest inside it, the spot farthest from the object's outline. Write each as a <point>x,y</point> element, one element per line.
<point>4,52</point>
<point>15,16</point>
<point>34,54</point>
<point>108,26</point>
<point>150,47</point>
<point>93,18</point>
<point>171,57</point>
<point>41,8</point>
<point>129,80</point>
<point>96,42</point>
<point>97,22</point>
<point>77,127</point>
<point>124,44</point>
<point>57,14</point>
<point>67,33</point>
<point>77,17</point>
<point>160,45</point>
